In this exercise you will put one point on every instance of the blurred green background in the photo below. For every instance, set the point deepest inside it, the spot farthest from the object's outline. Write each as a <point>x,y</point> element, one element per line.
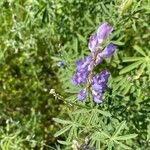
<point>34,35</point>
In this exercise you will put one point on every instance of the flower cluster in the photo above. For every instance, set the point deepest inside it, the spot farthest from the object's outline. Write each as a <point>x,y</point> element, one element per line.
<point>84,67</point>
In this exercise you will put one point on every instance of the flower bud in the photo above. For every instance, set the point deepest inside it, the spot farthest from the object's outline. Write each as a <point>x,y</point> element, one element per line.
<point>103,31</point>
<point>108,50</point>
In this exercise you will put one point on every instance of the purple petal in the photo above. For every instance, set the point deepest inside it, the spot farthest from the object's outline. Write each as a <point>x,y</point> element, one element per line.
<point>74,80</point>
<point>87,61</point>
<point>79,78</point>
<point>79,62</point>
<point>104,75</point>
<point>82,95</point>
<point>93,43</point>
<point>82,64</point>
<point>99,82</point>
<point>97,97</point>
<point>103,31</point>
<point>108,50</point>
<point>97,87</point>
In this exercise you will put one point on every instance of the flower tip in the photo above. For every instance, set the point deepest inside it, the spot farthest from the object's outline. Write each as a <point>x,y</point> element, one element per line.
<point>103,31</point>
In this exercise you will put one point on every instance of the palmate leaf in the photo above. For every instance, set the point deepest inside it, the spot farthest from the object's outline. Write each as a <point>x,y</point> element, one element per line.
<point>119,128</point>
<point>131,67</point>
<point>116,139</point>
<point>123,83</point>
<point>139,50</point>
<point>142,68</point>
<point>137,61</point>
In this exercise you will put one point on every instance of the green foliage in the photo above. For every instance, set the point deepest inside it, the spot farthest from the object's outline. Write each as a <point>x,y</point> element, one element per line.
<point>27,75</point>
<point>127,99</point>
<point>35,36</point>
<point>91,120</point>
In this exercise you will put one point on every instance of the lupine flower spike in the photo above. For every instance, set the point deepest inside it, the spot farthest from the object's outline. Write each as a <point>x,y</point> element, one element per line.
<point>84,67</point>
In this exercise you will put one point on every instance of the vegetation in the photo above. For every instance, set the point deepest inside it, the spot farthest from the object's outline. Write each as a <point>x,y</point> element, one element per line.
<point>39,44</point>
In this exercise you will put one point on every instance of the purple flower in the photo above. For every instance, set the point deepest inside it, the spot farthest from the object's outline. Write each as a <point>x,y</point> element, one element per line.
<point>99,81</point>
<point>93,43</point>
<point>103,76</point>
<point>108,50</point>
<point>79,78</point>
<point>82,64</point>
<point>82,95</point>
<point>84,67</point>
<point>82,70</point>
<point>103,31</point>
<point>99,84</point>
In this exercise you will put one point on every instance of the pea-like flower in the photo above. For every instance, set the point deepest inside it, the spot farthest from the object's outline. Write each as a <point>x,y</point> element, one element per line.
<point>99,85</point>
<point>107,52</point>
<point>82,70</point>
